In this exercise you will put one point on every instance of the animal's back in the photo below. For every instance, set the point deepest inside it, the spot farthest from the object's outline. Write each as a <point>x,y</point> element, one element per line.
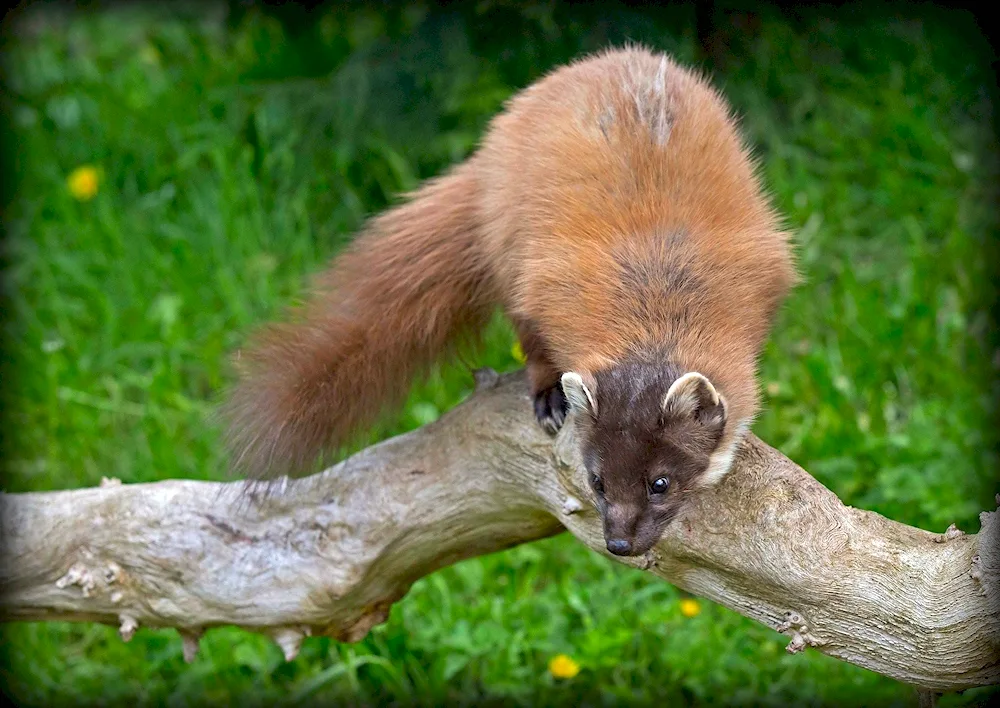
<point>623,213</point>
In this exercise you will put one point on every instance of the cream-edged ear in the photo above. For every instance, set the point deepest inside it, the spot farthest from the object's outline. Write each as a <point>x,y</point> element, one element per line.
<point>693,395</point>
<point>578,395</point>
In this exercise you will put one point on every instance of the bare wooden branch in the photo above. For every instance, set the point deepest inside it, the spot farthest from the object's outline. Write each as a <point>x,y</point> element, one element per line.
<point>331,553</point>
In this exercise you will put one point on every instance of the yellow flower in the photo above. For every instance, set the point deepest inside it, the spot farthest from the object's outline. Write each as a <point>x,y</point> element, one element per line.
<point>82,182</point>
<point>689,607</point>
<point>563,667</point>
<point>518,353</point>
<point>149,55</point>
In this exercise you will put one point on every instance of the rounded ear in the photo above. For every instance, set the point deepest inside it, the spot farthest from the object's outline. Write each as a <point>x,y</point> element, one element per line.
<point>578,393</point>
<point>693,395</point>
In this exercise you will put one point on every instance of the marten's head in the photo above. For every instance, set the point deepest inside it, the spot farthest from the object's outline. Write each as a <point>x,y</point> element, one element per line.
<point>650,435</point>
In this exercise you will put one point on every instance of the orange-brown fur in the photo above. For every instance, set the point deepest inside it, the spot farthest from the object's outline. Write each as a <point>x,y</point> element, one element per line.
<point>611,209</point>
<point>405,292</point>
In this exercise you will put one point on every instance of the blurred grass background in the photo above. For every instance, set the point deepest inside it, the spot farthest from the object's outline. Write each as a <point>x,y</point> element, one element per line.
<point>236,149</point>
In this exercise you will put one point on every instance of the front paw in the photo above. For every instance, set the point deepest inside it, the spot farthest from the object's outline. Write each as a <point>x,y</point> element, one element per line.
<point>551,408</point>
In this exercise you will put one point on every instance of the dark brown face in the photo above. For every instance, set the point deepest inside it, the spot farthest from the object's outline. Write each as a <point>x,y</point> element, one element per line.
<point>644,450</point>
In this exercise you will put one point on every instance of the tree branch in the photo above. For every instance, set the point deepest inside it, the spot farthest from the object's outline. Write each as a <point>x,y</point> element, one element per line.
<point>332,552</point>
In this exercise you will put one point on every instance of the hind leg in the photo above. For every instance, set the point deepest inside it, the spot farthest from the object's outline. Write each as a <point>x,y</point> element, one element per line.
<point>546,388</point>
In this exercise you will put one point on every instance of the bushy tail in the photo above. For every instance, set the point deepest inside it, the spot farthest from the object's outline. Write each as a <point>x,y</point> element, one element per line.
<point>402,295</point>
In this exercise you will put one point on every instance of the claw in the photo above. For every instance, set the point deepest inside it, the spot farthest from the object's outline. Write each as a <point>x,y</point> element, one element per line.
<point>551,408</point>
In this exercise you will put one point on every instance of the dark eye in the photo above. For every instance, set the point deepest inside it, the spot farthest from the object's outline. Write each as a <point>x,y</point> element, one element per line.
<point>595,481</point>
<point>659,485</point>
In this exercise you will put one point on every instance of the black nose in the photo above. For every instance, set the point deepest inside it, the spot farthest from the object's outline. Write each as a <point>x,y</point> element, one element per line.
<point>619,546</point>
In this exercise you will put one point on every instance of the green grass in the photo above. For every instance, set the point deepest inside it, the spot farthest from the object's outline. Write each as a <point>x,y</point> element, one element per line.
<point>238,156</point>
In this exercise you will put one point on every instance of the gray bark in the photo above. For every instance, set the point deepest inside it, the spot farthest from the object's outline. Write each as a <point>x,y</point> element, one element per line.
<point>331,553</point>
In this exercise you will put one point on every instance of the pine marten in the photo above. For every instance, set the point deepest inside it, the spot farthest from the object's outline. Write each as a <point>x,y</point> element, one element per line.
<point>614,213</point>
